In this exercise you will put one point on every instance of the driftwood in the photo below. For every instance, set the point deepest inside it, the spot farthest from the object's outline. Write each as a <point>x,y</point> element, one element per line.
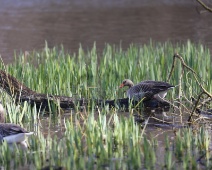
<point>125,103</point>
<point>20,93</point>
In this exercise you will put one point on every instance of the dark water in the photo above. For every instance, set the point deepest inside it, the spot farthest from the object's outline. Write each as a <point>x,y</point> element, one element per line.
<point>25,25</point>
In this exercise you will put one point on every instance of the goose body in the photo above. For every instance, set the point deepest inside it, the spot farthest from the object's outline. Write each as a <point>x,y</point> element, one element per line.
<point>146,90</point>
<point>12,133</point>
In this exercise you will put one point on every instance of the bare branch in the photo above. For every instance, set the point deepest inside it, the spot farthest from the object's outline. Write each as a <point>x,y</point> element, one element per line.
<point>190,69</point>
<point>196,76</point>
<point>204,5</point>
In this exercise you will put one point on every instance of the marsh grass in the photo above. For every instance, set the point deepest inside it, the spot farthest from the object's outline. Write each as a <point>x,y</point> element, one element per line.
<point>113,142</point>
<point>104,138</point>
<point>53,71</point>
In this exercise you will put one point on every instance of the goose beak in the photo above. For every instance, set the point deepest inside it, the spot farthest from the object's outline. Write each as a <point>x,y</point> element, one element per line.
<point>122,85</point>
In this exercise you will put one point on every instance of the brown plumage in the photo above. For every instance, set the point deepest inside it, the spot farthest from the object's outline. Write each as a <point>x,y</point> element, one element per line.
<point>146,90</point>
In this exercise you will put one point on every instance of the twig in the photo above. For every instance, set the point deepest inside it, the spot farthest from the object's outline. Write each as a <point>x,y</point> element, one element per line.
<point>204,6</point>
<point>184,65</point>
<point>195,106</point>
<point>190,69</point>
<point>172,69</point>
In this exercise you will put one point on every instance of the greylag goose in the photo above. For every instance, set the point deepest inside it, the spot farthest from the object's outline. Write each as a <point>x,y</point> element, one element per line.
<point>146,90</point>
<point>12,133</point>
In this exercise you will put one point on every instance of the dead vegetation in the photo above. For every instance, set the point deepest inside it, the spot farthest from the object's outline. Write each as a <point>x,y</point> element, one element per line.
<point>203,99</point>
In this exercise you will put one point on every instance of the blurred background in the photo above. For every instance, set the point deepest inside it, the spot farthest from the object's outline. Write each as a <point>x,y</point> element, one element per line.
<point>26,25</point>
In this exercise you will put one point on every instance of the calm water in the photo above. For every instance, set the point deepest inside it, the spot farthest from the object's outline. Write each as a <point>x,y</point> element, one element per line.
<point>25,25</point>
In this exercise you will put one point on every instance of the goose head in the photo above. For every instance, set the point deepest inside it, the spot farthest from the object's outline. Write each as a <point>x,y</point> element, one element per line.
<point>126,82</point>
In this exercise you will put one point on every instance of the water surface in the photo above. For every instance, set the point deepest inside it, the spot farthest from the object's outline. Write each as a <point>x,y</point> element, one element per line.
<point>25,25</point>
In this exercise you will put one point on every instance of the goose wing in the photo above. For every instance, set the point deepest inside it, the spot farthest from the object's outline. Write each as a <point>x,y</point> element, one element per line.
<point>7,129</point>
<point>155,86</point>
<point>149,88</point>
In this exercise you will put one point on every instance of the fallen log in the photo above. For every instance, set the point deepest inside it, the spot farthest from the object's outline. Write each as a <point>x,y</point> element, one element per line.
<point>125,103</point>
<point>20,93</point>
<point>13,87</point>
